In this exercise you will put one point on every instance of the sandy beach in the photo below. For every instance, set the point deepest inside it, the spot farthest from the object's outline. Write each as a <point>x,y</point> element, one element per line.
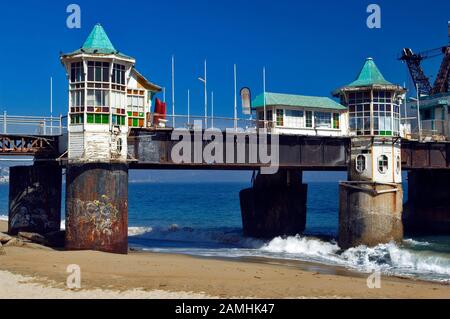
<point>34,271</point>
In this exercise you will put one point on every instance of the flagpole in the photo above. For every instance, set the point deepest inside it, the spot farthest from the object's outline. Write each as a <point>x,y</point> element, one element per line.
<point>206,98</point>
<point>189,107</point>
<point>173,91</point>
<point>264,97</point>
<point>51,105</point>
<point>235,98</point>
<point>212,109</point>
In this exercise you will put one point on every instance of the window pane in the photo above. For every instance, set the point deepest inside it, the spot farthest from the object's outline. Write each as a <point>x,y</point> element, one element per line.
<point>98,74</point>
<point>90,74</point>
<point>308,119</point>
<point>323,119</point>
<point>105,75</point>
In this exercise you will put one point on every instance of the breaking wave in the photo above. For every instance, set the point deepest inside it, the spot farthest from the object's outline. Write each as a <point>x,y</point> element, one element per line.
<point>410,259</point>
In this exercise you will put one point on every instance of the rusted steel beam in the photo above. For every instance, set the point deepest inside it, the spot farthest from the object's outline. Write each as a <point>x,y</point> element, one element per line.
<point>97,207</point>
<point>46,147</point>
<point>153,149</point>
<point>432,155</point>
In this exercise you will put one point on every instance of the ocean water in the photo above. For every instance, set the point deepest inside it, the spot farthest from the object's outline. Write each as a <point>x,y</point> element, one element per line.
<point>203,219</point>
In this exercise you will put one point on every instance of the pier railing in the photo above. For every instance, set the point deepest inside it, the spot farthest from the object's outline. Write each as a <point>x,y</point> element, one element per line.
<point>33,125</point>
<point>433,130</point>
<point>209,122</point>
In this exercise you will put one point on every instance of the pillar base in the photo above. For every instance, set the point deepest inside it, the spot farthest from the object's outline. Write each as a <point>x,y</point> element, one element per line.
<point>35,199</point>
<point>274,206</point>
<point>427,211</point>
<point>370,214</point>
<point>97,208</point>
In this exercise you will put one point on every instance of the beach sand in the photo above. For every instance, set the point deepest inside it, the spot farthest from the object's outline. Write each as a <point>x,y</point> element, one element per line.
<point>39,272</point>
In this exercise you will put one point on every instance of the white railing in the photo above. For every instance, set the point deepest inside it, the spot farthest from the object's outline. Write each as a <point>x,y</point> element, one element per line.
<point>191,122</point>
<point>437,130</point>
<point>33,125</point>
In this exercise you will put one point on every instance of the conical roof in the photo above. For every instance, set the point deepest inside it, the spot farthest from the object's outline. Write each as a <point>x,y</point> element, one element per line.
<point>369,75</point>
<point>98,40</point>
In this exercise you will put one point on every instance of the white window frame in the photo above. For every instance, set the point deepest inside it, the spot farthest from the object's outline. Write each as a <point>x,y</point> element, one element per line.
<point>358,169</point>
<point>381,169</point>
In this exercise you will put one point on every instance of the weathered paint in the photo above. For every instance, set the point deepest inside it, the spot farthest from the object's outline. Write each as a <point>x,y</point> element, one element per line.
<point>35,199</point>
<point>97,207</point>
<point>428,208</point>
<point>368,218</point>
<point>96,143</point>
<point>275,205</point>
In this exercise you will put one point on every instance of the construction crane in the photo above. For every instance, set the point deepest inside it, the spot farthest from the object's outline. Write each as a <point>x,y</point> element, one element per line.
<point>421,81</point>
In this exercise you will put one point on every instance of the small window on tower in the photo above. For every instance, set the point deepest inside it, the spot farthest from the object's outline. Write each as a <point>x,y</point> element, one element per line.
<point>361,164</point>
<point>383,164</point>
<point>119,145</point>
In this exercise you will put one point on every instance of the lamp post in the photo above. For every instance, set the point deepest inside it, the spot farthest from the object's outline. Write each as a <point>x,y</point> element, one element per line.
<point>204,81</point>
<point>419,122</point>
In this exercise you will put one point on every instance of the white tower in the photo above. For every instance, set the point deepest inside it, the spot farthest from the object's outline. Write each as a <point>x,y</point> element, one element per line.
<point>371,201</point>
<point>98,77</point>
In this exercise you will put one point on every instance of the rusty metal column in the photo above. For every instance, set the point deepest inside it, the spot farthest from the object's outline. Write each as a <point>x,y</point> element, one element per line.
<point>275,205</point>
<point>35,198</point>
<point>97,207</point>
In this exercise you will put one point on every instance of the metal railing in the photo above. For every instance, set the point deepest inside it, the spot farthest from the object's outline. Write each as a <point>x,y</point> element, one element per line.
<point>436,130</point>
<point>192,122</point>
<point>33,125</point>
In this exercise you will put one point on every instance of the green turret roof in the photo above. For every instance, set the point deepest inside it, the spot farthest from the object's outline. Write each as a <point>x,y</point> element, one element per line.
<point>274,99</point>
<point>98,40</point>
<point>369,75</point>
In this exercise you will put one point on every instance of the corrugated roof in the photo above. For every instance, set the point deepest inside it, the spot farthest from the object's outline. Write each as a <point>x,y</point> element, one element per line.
<point>273,99</point>
<point>369,75</point>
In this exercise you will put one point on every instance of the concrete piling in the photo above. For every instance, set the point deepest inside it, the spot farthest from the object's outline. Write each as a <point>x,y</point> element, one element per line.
<point>371,201</point>
<point>97,207</point>
<point>35,198</point>
<point>370,214</point>
<point>275,205</point>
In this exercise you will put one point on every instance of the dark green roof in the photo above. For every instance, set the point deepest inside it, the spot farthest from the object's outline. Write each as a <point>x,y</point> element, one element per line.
<point>98,42</point>
<point>273,99</point>
<point>369,75</point>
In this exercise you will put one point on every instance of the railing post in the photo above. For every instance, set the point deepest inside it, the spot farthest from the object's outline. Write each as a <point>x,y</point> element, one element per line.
<point>60,125</point>
<point>4,122</point>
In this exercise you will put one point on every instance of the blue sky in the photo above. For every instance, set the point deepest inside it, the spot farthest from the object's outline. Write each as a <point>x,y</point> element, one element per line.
<point>308,47</point>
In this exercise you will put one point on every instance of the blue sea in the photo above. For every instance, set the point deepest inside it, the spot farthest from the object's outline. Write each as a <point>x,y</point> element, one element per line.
<point>203,219</point>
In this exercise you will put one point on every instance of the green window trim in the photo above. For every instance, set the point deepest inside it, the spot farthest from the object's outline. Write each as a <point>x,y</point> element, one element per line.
<point>280,117</point>
<point>336,121</point>
<point>76,119</point>
<point>97,118</point>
